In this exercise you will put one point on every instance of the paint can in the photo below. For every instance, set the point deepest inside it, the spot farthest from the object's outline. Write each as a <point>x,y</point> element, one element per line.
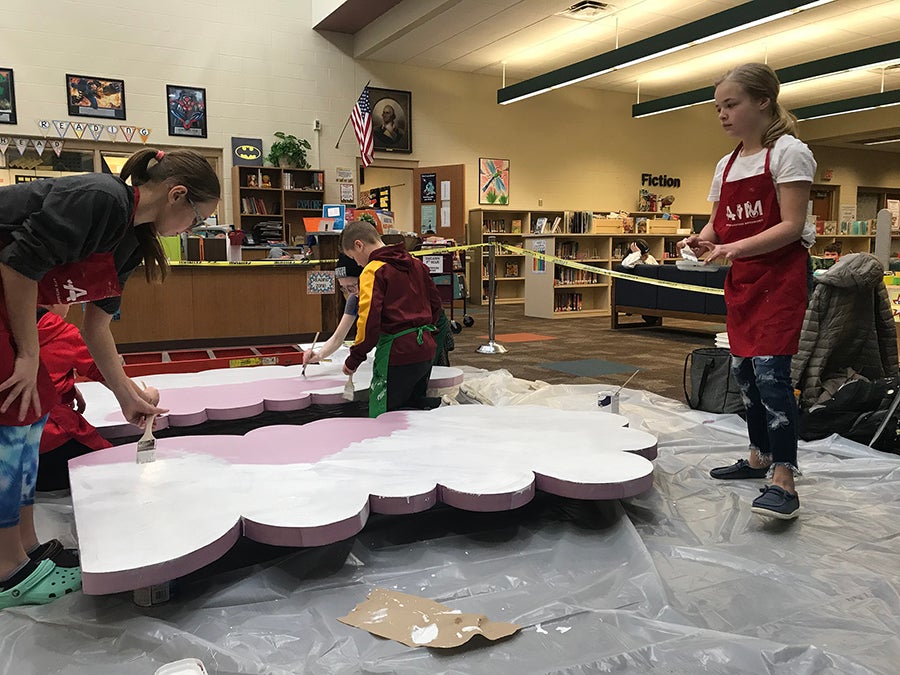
<point>608,401</point>
<point>152,595</point>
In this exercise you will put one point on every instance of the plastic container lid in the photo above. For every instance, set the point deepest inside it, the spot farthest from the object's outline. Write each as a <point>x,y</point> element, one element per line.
<point>183,667</point>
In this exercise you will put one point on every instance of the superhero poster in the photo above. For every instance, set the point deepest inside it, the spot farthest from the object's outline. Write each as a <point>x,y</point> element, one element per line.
<point>187,111</point>
<point>89,96</point>
<point>7,97</point>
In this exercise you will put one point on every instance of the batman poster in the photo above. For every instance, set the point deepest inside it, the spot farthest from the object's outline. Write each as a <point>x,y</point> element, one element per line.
<point>246,151</point>
<point>187,111</point>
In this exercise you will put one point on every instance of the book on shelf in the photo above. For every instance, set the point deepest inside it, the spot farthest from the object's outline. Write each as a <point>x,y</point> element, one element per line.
<point>540,225</point>
<point>512,269</point>
<point>516,226</point>
<point>580,222</point>
<point>566,276</point>
<point>568,302</point>
<point>556,224</point>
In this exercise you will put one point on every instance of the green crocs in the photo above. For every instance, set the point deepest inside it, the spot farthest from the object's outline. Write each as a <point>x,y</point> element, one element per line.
<point>44,585</point>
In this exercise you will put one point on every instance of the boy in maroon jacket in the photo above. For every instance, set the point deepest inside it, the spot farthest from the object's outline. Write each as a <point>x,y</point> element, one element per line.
<point>399,309</point>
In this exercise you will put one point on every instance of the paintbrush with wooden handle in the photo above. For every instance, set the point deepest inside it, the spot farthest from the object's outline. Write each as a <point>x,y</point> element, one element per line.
<point>312,351</point>
<point>146,446</point>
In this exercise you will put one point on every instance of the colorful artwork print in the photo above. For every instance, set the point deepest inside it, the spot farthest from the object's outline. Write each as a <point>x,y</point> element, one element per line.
<point>493,181</point>
<point>89,96</point>
<point>7,97</point>
<point>187,111</point>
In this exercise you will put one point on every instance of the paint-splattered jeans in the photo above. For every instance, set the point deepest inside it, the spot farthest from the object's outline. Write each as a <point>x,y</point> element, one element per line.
<point>768,394</point>
<point>19,449</point>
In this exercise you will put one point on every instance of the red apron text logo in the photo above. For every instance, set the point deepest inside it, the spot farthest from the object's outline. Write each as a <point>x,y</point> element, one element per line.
<point>745,212</point>
<point>74,291</point>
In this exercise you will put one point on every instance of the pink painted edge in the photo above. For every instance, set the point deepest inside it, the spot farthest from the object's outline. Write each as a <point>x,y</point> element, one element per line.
<point>320,535</point>
<point>105,583</point>
<point>591,491</point>
<point>484,503</point>
<point>396,506</point>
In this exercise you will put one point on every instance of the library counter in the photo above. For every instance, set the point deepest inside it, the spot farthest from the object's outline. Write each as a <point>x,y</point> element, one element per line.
<point>221,305</point>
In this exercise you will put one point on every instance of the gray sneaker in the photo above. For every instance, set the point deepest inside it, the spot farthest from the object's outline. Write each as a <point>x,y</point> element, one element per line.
<point>776,502</point>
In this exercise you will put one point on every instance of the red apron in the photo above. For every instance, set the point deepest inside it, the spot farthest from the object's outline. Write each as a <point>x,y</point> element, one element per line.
<point>765,294</point>
<point>94,278</point>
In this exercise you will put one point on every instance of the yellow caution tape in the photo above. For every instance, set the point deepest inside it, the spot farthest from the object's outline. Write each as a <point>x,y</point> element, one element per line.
<point>448,249</point>
<point>612,273</point>
<point>256,263</point>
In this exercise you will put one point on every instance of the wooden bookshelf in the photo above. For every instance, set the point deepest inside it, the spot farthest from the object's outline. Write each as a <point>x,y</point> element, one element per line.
<point>555,291</point>
<point>276,195</point>
<point>502,224</point>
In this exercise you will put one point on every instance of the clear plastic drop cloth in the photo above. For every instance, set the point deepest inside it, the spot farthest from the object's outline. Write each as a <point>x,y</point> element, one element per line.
<point>682,579</point>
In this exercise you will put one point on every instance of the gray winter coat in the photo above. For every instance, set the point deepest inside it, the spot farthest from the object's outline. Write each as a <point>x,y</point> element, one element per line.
<point>848,324</point>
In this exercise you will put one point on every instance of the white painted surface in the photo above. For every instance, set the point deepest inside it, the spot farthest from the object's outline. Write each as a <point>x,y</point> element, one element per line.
<point>131,516</point>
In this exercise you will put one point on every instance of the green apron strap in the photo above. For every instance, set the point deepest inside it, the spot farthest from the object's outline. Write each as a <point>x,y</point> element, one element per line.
<point>378,387</point>
<point>441,338</point>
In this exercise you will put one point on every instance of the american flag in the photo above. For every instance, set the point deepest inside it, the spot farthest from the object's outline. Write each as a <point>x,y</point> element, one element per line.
<point>361,116</point>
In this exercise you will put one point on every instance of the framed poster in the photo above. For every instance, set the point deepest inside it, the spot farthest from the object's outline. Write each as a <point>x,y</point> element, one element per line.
<point>427,188</point>
<point>89,96</point>
<point>493,181</point>
<point>391,119</point>
<point>187,110</point>
<point>7,97</point>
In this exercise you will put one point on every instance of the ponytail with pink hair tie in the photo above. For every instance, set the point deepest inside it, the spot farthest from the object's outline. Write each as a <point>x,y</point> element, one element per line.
<point>159,155</point>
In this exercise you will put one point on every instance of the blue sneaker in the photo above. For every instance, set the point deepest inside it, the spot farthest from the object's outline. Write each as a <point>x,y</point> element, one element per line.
<point>776,502</point>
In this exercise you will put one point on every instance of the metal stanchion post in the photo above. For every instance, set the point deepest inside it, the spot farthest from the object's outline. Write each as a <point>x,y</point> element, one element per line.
<point>492,347</point>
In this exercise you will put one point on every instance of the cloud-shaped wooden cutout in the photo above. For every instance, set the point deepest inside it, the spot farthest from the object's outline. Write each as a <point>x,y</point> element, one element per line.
<point>311,485</point>
<point>237,393</point>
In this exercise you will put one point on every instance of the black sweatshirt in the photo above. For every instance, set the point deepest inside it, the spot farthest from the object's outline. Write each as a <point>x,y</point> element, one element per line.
<point>54,221</point>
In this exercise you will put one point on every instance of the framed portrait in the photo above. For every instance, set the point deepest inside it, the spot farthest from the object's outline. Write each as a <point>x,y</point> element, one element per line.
<point>391,119</point>
<point>89,96</point>
<point>186,107</point>
<point>493,181</point>
<point>7,97</point>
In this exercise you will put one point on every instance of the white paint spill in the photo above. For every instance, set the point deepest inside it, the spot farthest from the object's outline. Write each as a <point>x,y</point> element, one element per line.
<point>378,616</point>
<point>563,629</point>
<point>425,634</point>
<point>541,630</point>
<point>469,629</point>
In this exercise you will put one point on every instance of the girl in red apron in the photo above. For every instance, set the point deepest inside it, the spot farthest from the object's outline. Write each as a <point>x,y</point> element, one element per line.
<point>66,240</point>
<point>760,194</point>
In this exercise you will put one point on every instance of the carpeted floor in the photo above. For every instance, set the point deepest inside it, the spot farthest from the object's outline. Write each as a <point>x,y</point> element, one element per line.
<point>586,349</point>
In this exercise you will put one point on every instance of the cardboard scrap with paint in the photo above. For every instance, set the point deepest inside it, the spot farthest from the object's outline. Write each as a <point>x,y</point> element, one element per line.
<point>420,622</point>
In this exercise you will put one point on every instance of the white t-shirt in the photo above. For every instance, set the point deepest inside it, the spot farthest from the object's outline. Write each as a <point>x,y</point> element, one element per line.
<point>790,160</point>
<point>634,258</point>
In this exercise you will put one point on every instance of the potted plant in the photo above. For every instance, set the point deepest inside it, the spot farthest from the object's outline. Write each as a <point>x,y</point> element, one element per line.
<point>289,151</point>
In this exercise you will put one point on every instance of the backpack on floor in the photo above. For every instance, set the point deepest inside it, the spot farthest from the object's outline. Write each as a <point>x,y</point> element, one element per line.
<point>857,411</point>
<point>711,386</point>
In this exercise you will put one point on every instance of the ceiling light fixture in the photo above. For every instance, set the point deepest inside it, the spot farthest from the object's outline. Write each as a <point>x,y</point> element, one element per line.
<point>883,99</point>
<point>712,27</point>
<point>871,57</point>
